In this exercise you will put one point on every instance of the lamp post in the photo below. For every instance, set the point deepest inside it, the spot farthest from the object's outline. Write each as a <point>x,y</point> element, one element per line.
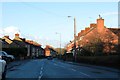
<point>74,54</point>
<point>60,44</point>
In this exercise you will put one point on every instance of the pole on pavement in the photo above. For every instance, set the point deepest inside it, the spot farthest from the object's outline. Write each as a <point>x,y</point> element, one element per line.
<point>75,39</point>
<point>74,54</point>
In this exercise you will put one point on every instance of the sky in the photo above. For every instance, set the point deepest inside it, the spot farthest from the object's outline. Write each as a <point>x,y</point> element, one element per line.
<point>40,21</point>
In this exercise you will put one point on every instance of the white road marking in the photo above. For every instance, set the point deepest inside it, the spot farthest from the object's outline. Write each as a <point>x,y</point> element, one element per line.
<point>55,64</point>
<point>73,69</point>
<point>41,68</point>
<point>84,74</point>
<point>40,72</point>
<point>63,66</point>
<point>40,77</point>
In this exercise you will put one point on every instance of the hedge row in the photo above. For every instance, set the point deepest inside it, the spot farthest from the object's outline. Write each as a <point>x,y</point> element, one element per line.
<point>110,60</point>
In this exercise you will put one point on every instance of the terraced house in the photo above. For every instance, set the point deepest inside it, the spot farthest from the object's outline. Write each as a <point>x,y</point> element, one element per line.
<point>97,39</point>
<point>21,48</point>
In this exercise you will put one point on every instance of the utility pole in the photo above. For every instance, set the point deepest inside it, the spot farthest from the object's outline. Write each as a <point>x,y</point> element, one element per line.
<point>74,54</point>
<point>75,39</point>
<point>60,47</point>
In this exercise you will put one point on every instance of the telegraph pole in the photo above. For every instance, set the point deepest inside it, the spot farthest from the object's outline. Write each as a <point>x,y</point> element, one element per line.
<point>75,56</point>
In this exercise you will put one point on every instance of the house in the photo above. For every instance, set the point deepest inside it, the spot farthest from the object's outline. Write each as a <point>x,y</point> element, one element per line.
<point>20,47</point>
<point>50,51</point>
<point>97,38</point>
<point>35,48</point>
<point>8,43</point>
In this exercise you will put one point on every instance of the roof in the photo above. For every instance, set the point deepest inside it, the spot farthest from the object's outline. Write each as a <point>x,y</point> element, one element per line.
<point>32,42</point>
<point>115,30</point>
<point>20,43</point>
<point>7,39</point>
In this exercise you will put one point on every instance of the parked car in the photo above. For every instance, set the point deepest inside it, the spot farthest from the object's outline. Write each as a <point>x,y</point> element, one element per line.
<point>3,66</point>
<point>6,56</point>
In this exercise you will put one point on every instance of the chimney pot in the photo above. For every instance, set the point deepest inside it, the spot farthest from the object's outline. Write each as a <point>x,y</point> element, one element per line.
<point>17,35</point>
<point>6,36</point>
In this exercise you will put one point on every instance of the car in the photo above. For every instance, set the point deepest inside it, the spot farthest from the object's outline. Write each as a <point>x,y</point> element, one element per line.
<point>6,56</point>
<point>3,67</point>
<point>49,58</point>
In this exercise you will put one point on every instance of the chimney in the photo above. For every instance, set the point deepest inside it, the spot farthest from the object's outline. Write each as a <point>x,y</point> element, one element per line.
<point>82,31</point>
<point>93,25</point>
<point>24,39</point>
<point>87,29</point>
<point>31,42</point>
<point>7,37</point>
<point>79,34</point>
<point>100,24</point>
<point>17,35</point>
<point>47,46</point>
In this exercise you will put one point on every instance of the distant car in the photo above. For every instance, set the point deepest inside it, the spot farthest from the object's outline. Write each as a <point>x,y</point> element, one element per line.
<point>2,69</point>
<point>6,56</point>
<point>49,57</point>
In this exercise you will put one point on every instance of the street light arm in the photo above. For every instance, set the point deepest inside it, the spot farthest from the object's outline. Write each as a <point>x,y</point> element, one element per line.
<point>69,16</point>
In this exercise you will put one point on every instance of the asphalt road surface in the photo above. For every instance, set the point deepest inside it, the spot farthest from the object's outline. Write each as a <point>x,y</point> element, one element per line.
<point>42,69</point>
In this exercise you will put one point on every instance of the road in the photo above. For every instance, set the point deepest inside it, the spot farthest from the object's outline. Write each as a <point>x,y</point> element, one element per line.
<point>40,69</point>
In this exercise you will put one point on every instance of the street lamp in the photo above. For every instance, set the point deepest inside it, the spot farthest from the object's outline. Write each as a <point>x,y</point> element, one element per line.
<point>60,43</point>
<point>74,38</point>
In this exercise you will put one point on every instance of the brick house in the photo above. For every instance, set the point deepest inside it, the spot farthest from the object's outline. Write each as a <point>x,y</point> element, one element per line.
<point>49,51</point>
<point>97,38</point>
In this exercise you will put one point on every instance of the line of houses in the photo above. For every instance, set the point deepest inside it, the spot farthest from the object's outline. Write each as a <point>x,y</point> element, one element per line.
<point>22,48</point>
<point>97,39</point>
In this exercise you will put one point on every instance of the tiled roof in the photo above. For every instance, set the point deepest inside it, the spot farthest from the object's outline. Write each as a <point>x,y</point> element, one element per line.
<point>115,30</point>
<point>8,40</point>
<point>20,43</point>
<point>32,42</point>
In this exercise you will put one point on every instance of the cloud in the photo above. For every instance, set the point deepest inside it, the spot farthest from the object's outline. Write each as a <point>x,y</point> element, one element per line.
<point>1,32</point>
<point>11,30</point>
